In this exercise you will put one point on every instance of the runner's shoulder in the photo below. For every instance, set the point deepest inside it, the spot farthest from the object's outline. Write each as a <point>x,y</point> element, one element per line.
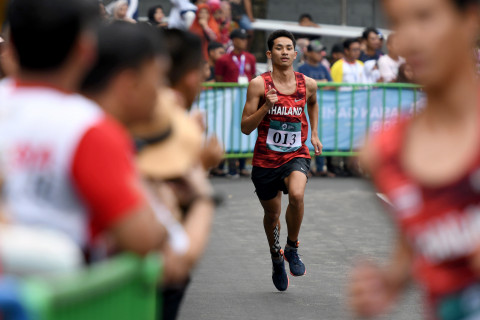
<point>311,84</point>
<point>257,85</point>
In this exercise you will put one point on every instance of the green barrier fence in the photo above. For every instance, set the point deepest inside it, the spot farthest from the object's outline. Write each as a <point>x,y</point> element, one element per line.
<point>122,288</point>
<point>347,114</point>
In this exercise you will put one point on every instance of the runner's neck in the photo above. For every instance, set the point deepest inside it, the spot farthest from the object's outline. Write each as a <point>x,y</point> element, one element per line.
<point>283,75</point>
<point>58,81</point>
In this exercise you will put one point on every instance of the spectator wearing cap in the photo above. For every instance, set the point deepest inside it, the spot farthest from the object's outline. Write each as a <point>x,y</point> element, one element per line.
<point>215,52</point>
<point>371,37</point>
<point>313,66</point>
<point>390,63</point>
<point>237,66</point>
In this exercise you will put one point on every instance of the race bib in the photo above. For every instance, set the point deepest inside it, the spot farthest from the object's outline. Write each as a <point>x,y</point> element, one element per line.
<point>284,136</point>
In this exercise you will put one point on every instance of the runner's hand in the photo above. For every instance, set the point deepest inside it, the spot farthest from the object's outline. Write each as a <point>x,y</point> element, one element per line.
<point>271,97</point>
<point>317,145</point>
<point>369,292</point>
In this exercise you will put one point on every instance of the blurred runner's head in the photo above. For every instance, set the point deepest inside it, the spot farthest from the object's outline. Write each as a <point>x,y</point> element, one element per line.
<point>186,74</point>
<point>281,48</point>
<point>435,36</point>
<point>46,35</point>
<point>128,70</point>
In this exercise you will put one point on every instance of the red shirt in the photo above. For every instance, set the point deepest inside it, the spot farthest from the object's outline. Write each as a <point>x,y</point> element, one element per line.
<point>441,224</point>
<point>228,66</point>
<point>284,129</point>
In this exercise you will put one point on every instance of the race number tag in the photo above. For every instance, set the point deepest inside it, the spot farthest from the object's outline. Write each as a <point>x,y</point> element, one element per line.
<point>284,136</point>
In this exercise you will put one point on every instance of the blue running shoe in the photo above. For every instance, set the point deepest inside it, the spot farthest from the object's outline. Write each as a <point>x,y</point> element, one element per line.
<point>297,268</point>
<point>279,275</point>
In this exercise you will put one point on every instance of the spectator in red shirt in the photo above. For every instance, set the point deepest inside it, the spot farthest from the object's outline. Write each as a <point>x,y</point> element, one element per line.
<point>238,65</point>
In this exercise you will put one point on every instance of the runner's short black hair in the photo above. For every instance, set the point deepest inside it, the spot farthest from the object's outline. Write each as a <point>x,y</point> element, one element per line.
<point>185,51</point>
<point>348,43</point>
<point>44,32</point>
<point>277,34</point>
<point>121,46</point>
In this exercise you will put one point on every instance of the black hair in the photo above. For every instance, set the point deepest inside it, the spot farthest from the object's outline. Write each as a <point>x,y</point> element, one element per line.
<point>185,51</point>
<point>151,14</point>
<point>348,43</point>
<point>44,32</point>
<point>122,45</point>
<point>305,15</point>
<point>214,45</point>
<point>277,34</point>
<point>367,32</point>
<point>337,47</point>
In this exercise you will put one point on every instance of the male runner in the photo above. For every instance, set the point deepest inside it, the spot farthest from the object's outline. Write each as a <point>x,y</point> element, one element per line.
<point>435,199</point>
<point>276,106</point>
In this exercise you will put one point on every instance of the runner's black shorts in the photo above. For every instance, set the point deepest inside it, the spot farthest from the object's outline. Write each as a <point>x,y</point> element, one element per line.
<point>268,181</point>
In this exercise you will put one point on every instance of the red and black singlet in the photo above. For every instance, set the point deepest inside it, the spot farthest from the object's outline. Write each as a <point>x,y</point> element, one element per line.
<point>283,131</point>
<point>441,224</point>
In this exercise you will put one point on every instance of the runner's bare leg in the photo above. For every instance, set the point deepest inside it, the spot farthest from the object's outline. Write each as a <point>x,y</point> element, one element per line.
<point>271,219</point>
<point>296,183</point>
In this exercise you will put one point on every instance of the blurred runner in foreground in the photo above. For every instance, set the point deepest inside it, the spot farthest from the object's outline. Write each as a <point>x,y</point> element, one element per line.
<point>428,167</point>
<point>281,161</point>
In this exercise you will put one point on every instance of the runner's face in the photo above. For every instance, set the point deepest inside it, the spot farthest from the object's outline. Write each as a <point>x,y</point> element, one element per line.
<point>433,35</point>
<point>283,52</point>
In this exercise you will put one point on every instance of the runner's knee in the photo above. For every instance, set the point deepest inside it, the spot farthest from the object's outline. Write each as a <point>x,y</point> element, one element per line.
<point>272,215</point>
<point>295,197</point>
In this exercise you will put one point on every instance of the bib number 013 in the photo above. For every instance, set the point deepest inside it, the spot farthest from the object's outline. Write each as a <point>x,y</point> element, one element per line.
<point>284,136</point>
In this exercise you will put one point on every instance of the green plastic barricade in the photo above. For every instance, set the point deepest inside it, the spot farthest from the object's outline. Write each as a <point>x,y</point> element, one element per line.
<point>122,288</point>
<point>348,114</point>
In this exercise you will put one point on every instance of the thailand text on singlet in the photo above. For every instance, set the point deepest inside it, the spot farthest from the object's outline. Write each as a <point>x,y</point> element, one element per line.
<point>284,130</point>
<point>442,224</point>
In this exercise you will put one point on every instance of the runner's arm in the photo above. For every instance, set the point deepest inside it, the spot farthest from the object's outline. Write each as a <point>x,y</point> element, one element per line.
<point>312,109</point>
<point>252,115</point>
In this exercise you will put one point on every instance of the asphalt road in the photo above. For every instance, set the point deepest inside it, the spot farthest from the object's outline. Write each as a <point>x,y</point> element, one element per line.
<point>343,221</point>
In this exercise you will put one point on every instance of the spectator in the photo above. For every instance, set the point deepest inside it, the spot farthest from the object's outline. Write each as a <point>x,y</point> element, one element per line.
<point>372,73</point>
<point>205,27</point>
<point>182,14</point>
<point>372,45</point>
<point>221,14</point>
<point>83,160</point>
<point>405,74</point>
<point>349,69</point>
<point>237,66</point>
<point>242,14</point>
<point>388,64</point>
<point>173,156</point>
<point>313,66</point>
<point>301,47</point>
<point>120,9</point>
<point>306,20</point>
<point>337,53</point>
<point>103,11</point>
<point>215,52</point>
<point>156,17</point>
<point>314,69</point>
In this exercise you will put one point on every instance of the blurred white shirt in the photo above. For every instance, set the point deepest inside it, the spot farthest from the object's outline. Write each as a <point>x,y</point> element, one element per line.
<point>389,67</point>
